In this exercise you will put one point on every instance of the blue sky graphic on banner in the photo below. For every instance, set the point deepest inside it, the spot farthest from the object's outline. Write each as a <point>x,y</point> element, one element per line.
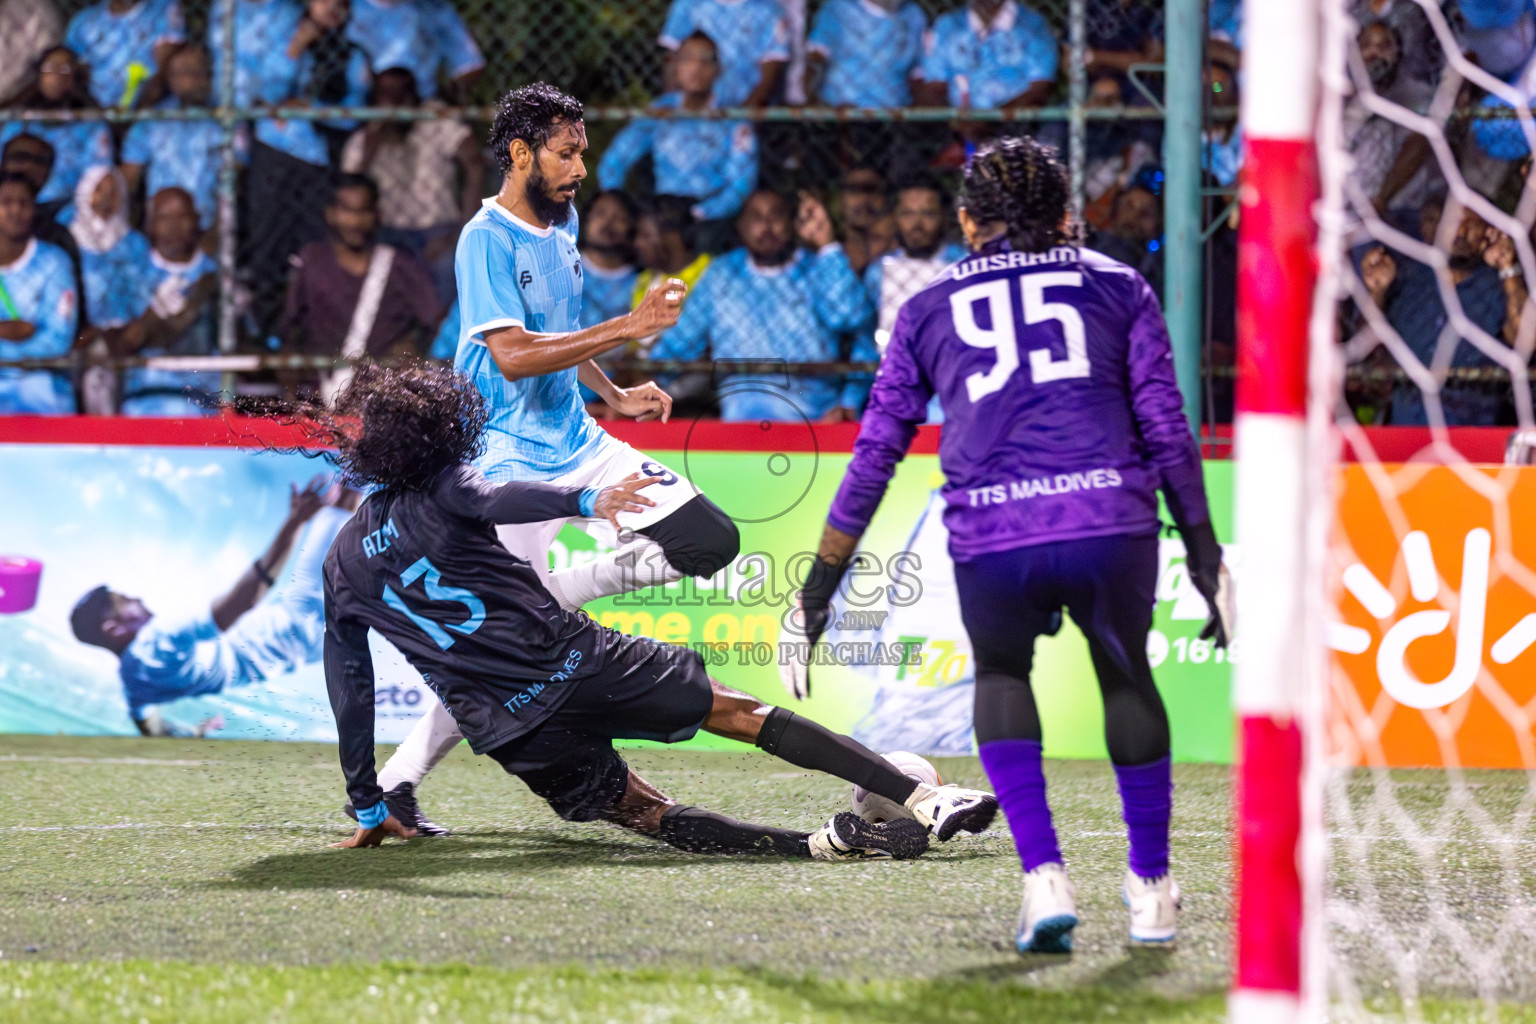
<point>175,527</point>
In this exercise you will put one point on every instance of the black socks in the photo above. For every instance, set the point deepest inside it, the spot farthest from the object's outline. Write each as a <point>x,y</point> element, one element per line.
<point>802,742</point>
<point>699,831</point>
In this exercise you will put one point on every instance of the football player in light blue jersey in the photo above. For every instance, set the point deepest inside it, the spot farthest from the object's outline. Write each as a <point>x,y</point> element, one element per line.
<point>520,340</point>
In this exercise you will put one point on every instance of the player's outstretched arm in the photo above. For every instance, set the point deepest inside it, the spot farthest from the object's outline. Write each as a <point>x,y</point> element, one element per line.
<point>349,684</point>
<point>467,493</point>
<point>520,353</point>
<point>254,582</point>
<point>898,402</point>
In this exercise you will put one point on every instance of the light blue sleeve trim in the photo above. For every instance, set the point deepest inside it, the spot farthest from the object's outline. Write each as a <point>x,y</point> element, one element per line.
<point>588,501</point>
<point>373,817</point>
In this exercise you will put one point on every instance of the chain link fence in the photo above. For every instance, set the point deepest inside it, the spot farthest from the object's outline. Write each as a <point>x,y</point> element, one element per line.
<point>231,225</point>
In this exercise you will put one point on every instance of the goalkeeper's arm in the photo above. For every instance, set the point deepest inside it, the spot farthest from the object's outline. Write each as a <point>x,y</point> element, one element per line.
<point>1158,406</point>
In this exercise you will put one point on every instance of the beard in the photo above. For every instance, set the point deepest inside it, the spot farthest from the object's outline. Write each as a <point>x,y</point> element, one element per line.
<point>536,191</point>
<point>921,252</point>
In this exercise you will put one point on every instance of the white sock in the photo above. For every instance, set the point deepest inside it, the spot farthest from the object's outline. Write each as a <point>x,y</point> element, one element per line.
<point>435,735</point>
<point>632,567</point>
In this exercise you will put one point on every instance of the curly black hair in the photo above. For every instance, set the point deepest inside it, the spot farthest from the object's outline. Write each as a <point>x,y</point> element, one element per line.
<point>1020,183</point>
<point>395,428</point>
<point>532,113</point>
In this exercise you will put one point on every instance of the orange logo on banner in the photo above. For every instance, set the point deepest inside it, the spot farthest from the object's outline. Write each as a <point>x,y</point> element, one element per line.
<point>1434,618</point>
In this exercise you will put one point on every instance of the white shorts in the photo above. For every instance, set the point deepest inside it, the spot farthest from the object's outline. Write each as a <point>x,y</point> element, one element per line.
<point>610,464</point>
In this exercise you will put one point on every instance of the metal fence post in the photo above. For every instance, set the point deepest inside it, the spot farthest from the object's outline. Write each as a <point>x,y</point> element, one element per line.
<point>1077,101</point>
<point>227,170</point>
<point>1182,254</point>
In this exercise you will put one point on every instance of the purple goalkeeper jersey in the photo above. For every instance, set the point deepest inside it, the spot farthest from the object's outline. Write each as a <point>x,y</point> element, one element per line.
<point>1062,415</point>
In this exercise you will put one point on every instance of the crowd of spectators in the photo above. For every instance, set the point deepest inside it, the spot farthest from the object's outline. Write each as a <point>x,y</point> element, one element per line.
<point>799,242</point>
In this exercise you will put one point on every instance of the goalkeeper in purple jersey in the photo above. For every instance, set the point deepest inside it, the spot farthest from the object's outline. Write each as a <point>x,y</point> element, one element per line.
<point>1062,421</point>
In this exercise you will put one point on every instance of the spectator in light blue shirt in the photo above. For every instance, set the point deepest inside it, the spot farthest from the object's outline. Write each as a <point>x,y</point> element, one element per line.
<point>713,163</point>
<point>319,66</point>
<point>290,170</point>
<point>124,43</point>
<point>184,154</point>
<point>261,26</point>
<point>773,301</point>
<point>426,37</point>
<point>76,144</point>
<point>753,41</point>
<point>174,299</point>
<point>992,53</point>
<point>864,53</point>
<point>38,307</point>
<point>113,256</point>
<point>607,247</point>
<point>1221,145</point>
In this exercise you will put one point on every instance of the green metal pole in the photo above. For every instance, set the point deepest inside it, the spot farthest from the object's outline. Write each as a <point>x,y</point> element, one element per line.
<point>1183,261</point>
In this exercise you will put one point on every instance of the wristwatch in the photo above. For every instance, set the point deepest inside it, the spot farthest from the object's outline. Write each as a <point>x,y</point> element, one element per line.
<point>1513,270</point>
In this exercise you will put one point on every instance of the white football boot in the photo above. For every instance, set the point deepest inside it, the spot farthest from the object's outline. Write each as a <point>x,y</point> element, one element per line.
<point>945,810</point>
<point>1049,912</point>
<point>1154,906</point>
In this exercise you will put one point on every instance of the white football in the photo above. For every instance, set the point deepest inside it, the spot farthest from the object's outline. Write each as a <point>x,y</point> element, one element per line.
<point>875,808</point>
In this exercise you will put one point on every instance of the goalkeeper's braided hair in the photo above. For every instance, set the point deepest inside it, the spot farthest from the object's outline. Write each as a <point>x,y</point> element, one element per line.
<point>1020,183</point>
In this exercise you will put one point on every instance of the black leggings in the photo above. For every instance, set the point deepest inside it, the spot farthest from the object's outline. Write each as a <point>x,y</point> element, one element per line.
<point>1107,585</point>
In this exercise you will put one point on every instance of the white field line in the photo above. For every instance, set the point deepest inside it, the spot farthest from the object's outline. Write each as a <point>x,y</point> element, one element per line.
<point>149,761</point>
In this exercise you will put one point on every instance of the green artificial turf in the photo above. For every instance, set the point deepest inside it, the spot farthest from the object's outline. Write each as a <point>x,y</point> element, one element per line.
<point>162,880</point>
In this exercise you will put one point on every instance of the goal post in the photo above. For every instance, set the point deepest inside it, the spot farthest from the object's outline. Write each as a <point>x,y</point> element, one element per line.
<point>1276,276</point>
<point>1385,790</point>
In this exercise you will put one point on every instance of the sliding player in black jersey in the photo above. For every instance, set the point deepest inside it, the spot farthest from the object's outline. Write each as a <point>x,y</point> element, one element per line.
<point>542,690</point>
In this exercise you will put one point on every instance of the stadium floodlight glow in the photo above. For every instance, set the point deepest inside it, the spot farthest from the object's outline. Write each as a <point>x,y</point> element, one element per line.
<point>1275,284</point>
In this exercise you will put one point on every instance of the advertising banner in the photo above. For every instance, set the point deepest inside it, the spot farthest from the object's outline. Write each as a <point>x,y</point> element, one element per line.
<point>1434,600</point>
<point>177,526</point>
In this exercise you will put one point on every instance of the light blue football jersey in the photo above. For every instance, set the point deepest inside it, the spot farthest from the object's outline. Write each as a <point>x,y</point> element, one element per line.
<point>510,274</point>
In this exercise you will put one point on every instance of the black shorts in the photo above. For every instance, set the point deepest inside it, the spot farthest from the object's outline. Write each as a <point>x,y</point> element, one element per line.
<point>646,691</point>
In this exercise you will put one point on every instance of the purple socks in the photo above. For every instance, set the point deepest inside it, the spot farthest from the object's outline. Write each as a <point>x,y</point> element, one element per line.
<point>1014,768</point>
<point>1146,794</point>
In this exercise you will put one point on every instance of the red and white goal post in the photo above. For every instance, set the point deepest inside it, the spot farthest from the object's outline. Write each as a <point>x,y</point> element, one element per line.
<point>1385,803</point>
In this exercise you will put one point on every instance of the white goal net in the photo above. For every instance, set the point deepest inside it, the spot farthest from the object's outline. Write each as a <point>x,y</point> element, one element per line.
<point>1421,849</point>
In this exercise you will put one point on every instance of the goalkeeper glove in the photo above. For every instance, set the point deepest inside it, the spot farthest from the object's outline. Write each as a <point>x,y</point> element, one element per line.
<point>809,617</point>
<point>1202,556</point>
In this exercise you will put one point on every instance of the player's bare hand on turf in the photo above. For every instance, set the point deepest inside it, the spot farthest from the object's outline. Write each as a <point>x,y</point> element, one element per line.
<point>812,222</point>
<point>390,826</point>
<point>1378,270</point>
<point>659,309</point>
<point>644,402</point>
<point>624,496</point>
<point>303,504</point>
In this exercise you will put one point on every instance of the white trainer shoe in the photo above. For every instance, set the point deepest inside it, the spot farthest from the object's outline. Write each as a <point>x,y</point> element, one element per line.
<point>1049,912</point>
<point>945,810</point>
<point>1154,906</point>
